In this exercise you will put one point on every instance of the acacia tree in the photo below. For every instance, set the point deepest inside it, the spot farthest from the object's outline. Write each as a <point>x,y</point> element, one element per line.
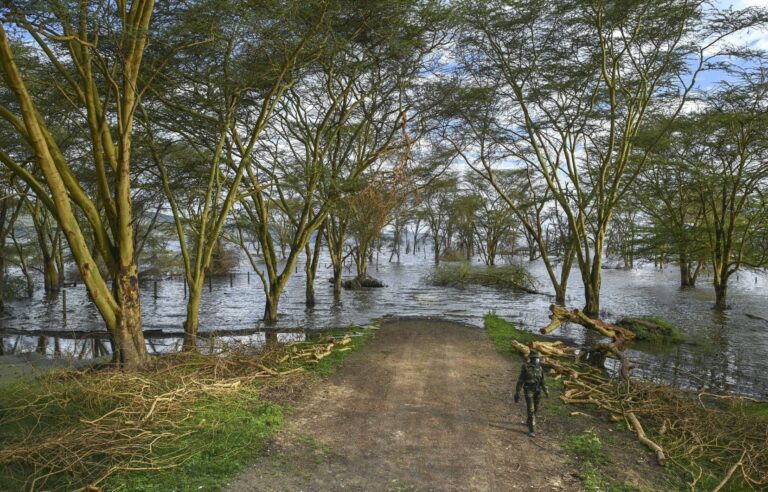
<point>94,55</point>
<point>204,125</point>
<point>579,80</point>
<point>434,208</point>
<point>494,226</point>
<point>731,176</point>
<point>340,119</point>
<point>667,194</point>
<point>49,241</point>
<point>622,235</point>
<point>11,205</point>
<point>292,181</point>
<point>371,208</point>
<point>476,131</point>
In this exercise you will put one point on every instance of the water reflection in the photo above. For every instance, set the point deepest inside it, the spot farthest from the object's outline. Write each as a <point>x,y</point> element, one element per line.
<point>722,350</point>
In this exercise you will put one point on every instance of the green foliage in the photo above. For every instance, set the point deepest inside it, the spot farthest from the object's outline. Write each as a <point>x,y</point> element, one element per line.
<point>652,329</point>
<point>507,276</point>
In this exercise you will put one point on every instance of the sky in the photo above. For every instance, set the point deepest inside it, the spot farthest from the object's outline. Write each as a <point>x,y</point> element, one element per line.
<point>753,38</point>
<point>756,39</point>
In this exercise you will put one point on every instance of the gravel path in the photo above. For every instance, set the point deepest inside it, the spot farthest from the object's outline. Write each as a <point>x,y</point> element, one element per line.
<point>425,405</point>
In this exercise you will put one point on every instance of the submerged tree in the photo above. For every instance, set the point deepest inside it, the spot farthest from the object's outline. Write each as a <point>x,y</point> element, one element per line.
<point>204,126</point>
<point>667,194</point>
<point>494,226</point>
<point>344,115</point>
<point>731,176</point>
<point>578,81</point>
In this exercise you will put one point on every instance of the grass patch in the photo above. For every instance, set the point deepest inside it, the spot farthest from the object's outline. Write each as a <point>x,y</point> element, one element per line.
<point>592,458</point>
<point>587,447</point>
<point>506,276</point>
<point>187,422</point>
<point>652,329</point>
<point>502,333</point>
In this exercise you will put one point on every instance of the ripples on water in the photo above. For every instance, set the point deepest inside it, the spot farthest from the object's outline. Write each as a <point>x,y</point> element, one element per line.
<point>722,350</point>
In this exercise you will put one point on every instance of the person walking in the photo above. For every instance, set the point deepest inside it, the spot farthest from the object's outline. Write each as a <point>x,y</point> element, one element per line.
<point>531,381</point>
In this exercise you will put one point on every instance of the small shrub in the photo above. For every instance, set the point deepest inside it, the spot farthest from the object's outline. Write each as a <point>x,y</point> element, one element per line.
<point>507,276</point>
<point>652,329</point>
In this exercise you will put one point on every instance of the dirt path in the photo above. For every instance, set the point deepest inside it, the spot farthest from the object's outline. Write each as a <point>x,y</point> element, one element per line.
<point>426,405</point>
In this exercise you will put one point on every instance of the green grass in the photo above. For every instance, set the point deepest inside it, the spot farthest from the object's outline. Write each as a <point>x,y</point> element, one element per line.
<point>587,447</point>
<point>592,457</point>
<point>502,333</point>
<point>224,434</point>
<point>209,440</point>
<point>652,329</point>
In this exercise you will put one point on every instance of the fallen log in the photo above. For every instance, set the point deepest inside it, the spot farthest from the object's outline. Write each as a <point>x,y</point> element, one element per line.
<point>560,314</point>
<point>519,347</point>
<point>555,349</point>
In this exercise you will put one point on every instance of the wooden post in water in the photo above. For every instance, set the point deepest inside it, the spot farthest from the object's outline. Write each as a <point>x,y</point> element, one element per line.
<point>249,278</point>
<point>155,289</point>
<point>64,305</point>
<point>185,287</point>
<point>210,283</point>
<point>230,280</point>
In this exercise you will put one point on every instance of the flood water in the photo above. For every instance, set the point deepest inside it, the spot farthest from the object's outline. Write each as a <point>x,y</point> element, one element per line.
<point>723,351</point>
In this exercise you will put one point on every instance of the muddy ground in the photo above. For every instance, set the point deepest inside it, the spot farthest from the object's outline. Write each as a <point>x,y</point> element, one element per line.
<point>427,405</point>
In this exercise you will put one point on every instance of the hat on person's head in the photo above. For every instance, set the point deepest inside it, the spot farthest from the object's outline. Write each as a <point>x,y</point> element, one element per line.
<point>533,354</point>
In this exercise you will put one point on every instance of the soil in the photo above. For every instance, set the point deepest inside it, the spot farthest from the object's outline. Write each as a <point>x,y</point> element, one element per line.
<point>427,405</point>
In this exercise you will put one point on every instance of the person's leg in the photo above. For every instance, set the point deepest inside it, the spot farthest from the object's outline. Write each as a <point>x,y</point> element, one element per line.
<point>529,403</point>
<point>536,402</point>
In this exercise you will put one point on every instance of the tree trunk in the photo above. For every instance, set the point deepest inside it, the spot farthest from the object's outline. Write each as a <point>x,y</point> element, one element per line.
<point>592,292</point>
<point>363,256</point>
<point>51,277</point>
<point>361,265</point>
<point>309,292</point>
<point>337,272</point>
<point>593,278</point>
<point>311,266</point>
<point>130,348</point>
<point>42,345</point>
<point>721,295</point>
<point>2,281</point>
<point>192,323</point>
<point>685,269</point>
<point>560,294</point>
<point>270,307</point>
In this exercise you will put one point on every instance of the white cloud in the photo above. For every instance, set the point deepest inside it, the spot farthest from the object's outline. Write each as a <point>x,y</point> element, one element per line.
<point>754,38</point>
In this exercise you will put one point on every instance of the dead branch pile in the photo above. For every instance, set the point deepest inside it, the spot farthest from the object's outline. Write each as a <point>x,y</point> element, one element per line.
<point>708,436</point>
<point>100,422</point>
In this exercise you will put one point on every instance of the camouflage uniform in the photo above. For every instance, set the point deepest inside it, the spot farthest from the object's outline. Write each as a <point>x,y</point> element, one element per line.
<point>531,380</point>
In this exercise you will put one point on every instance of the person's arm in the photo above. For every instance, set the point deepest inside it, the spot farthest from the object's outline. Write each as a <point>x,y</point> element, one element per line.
<point>543,383</point>
<point>519,385</point>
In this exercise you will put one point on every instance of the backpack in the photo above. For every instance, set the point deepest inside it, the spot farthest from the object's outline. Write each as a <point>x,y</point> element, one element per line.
<point>532,375</point>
